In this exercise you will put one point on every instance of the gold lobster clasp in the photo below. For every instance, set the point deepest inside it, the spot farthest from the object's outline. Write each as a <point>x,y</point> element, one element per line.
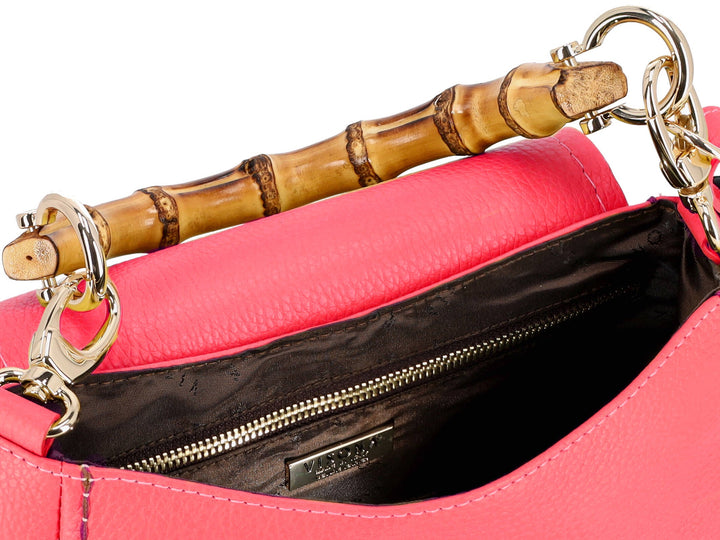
<point>54,363</point>
<point>685,153</point>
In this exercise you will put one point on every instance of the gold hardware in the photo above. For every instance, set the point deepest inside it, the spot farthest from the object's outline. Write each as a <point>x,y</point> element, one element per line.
<point>685,154</point>
<point>673,38</point>
<point>51,390</point>
<point>566,53</point>
<point>95,264</point>
<point>54,363</point>
<point>676,122</point>
<point>336,458</point>
<point>700,144</point>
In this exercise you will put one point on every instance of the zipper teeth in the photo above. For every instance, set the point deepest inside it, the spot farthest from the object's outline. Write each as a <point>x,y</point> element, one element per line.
<point>287,416</point>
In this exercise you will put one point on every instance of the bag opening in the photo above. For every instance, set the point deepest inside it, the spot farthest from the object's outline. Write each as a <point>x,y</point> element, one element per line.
<point>460,385</point>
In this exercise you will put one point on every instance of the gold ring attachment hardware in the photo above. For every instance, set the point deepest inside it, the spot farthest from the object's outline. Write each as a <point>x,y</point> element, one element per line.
<point>685,153</point>
<point>55,363</point>
<point>680,84</point>
<point>83,225</point>
<point>50,347</point>
<point>701,144</point>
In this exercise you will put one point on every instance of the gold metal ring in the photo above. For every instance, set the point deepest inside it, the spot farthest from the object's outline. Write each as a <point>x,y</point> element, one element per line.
<point>686,167</point>
<point>681,82</point>
<point>55,364</point>
<point>677,166</point>
<point>699,142</point>
<point>10,375</point>
<point>87,232</point>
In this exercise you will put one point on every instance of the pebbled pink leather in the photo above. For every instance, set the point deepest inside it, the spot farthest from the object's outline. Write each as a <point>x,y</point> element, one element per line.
<point>25,422</point>
<point>645,466</point>
<point>31,491</point>
<point>331,260</point>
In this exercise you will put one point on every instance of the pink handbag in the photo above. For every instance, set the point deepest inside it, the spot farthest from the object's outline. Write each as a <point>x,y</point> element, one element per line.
<point>424,358</point>
<point>599,429</point>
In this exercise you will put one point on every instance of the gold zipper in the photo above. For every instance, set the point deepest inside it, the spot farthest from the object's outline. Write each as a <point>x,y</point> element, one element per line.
<point>287,416</point>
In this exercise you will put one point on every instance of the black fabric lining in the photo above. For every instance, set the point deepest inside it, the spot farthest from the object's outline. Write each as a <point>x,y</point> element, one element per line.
<point>479,412</point>
<point>342,382</point>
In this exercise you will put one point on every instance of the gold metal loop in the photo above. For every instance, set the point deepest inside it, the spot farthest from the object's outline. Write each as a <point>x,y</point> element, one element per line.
<point>660,135</point>
<point>68,420</point>
<point>680,83</point>
<point>10,375</point>
<point>83,225</point>
<point>55,363</point>
<point>700,143</point>
<point>686,166</point>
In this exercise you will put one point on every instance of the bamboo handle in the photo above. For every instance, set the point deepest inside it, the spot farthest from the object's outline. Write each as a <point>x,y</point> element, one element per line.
<point>533,100</point>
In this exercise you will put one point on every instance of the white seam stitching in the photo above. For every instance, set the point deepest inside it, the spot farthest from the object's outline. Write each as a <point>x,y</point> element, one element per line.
<point>406,514</point>
<point>87,487</point>
<point>2,359</point>
<point>584,171</point>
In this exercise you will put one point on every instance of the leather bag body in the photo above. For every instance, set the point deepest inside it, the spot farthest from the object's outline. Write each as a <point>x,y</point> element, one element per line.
<point>641,464</point>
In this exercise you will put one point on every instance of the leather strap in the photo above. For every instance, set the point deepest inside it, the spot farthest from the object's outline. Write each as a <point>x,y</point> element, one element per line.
<point>25,422</point>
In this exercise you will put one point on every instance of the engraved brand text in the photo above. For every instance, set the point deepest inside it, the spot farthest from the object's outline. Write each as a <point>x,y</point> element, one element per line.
<point>340,457</point>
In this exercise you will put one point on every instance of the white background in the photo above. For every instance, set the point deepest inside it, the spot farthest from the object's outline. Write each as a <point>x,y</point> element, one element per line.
<point>98,99</point>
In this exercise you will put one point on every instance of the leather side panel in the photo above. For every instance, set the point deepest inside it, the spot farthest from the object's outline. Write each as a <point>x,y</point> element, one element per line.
<point>31,493</point>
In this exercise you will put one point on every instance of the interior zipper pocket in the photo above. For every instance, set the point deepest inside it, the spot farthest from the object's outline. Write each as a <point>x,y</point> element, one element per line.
<point>285,418</point>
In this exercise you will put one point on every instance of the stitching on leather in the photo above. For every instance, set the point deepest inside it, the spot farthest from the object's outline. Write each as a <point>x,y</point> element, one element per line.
<point>449,287</point>
<point>60,502</point>
<point>585,174</point>
<point>87,487</point>
<point>2,359</point>
<point>504,487</point>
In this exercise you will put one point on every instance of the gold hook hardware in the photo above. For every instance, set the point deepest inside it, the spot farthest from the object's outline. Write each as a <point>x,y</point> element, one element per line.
<point>680,138</point>
<point>86,231</point>
<point>680,85</point>
<point>55,364</point>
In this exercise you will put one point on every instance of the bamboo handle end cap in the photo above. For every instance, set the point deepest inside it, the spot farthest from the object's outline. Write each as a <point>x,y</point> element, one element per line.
<point>30,256</point>
<point>536,100</point>
<point>588,87</point>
